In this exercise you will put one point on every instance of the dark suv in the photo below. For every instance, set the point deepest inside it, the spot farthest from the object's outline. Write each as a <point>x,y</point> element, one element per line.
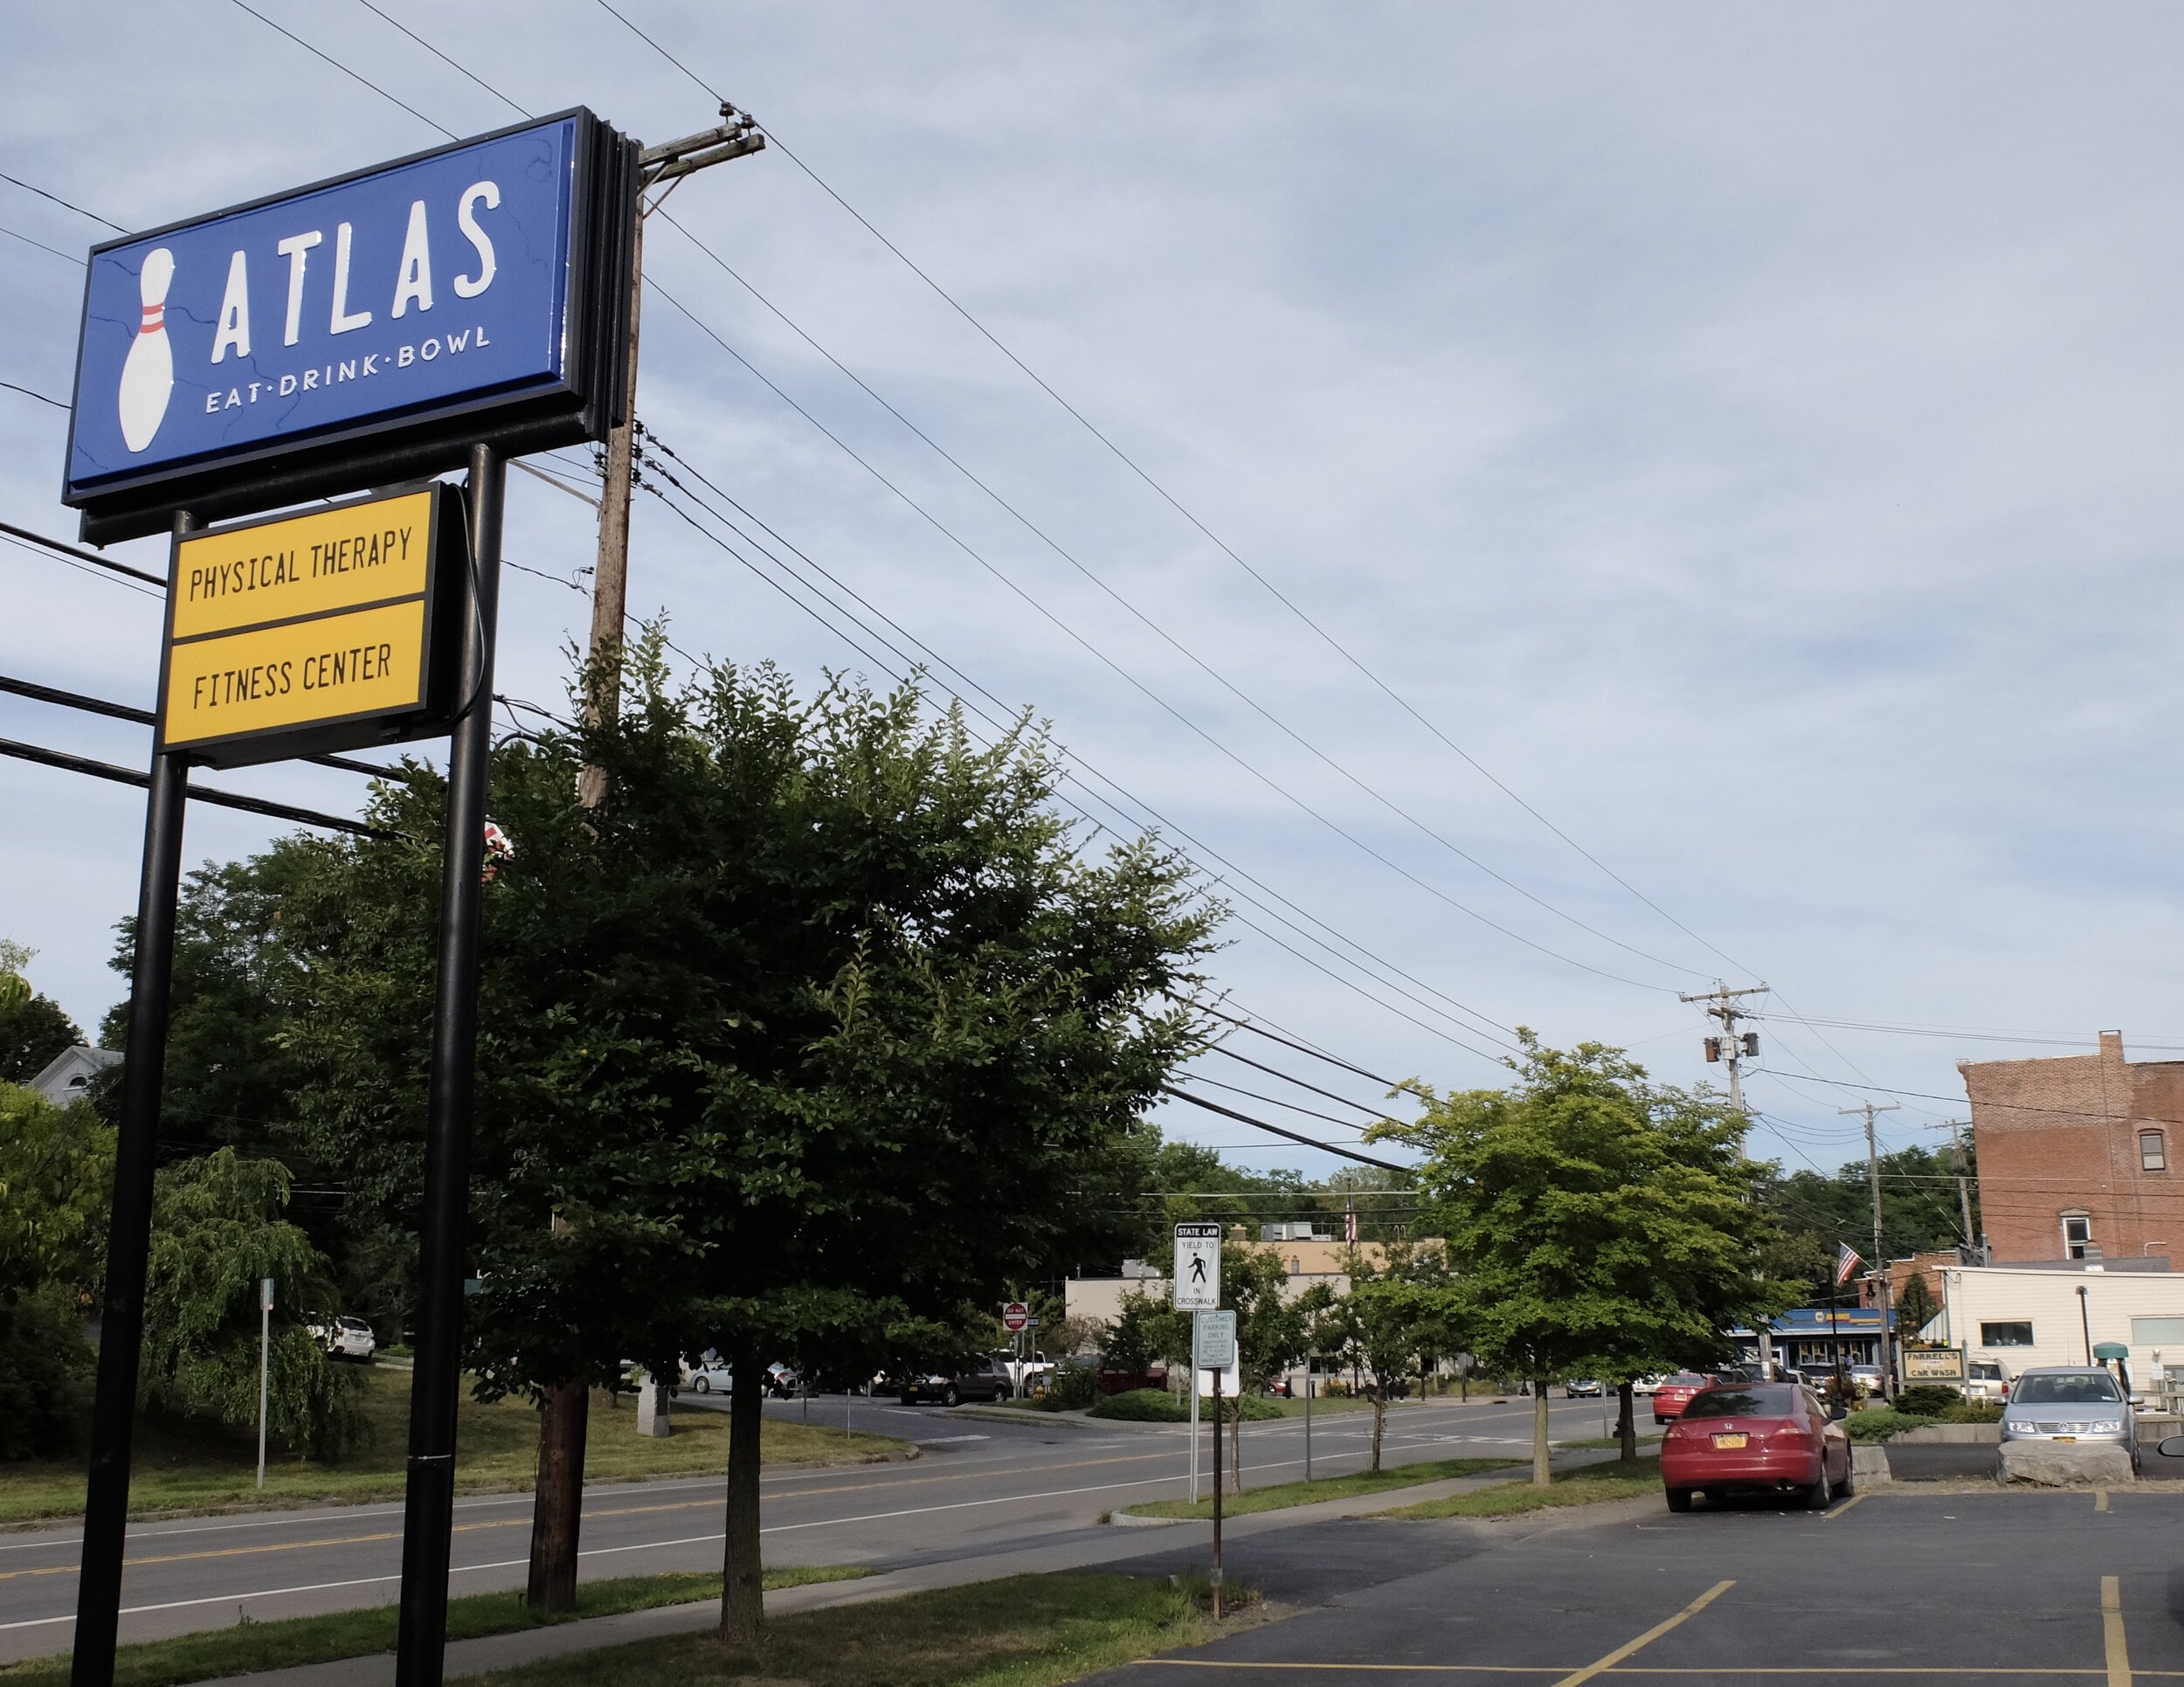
<point>980,1378</point>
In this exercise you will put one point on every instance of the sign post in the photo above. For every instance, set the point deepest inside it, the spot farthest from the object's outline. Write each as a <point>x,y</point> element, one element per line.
<point>439,312</point>
<point>1214,1351</point>
<point>1195,1286</point>
<point>265,1353</point>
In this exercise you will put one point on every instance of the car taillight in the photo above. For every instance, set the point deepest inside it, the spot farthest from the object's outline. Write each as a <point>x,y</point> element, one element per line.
<point>1791,1431</point>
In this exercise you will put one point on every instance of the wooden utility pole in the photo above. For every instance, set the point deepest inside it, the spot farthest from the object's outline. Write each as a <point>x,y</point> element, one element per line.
<point>1880,1260</point>
<point>662,167</point>
<point>557,1505</point>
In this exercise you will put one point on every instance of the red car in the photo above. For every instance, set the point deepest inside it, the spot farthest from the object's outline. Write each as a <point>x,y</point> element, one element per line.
<point>1669,1398</point>
<point>1755,1437</point>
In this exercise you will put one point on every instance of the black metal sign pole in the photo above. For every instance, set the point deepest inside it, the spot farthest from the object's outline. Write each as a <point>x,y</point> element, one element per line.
<point>429,1502</point>
<point>128,1238</point>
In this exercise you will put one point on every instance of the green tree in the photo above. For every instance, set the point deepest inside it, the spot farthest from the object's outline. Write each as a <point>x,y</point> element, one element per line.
<point>821,983</point>
<point>1394,1310</point>
<point>56,1167</point>
<point>1592,1218</point>
<point>218,1229</point>
<point>1915,1307</point>
<point>33,1028</point>
<point>1274,1329</point>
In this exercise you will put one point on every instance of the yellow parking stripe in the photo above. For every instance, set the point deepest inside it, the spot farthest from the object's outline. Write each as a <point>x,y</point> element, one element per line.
<point>2112,1632</point>
<point>1837,1511</point>
<point>1603,1665</point>
<point>2100,1499</point>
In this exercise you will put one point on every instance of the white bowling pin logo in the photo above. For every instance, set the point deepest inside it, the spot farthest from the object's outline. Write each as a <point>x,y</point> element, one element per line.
<point>147,374</point>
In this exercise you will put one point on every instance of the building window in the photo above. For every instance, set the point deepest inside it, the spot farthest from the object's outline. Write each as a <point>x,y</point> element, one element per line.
<point>2078,1236</point>
<point>2153,1154</point>
<point>2006,1335</point>
<point>2158,1332</point>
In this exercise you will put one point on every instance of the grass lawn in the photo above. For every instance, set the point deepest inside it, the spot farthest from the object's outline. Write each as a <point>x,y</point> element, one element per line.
<point>1586,1486</point>
<point>196,1468</point>
<point>1026,1631</point>
<point>1281,1495</point>
<point>1605,1444</point>
<point>360,1634</point>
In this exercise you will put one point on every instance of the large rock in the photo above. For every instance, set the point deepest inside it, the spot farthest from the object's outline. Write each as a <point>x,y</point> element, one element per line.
<point>2064,1463</point>
<point>1868,1464</point>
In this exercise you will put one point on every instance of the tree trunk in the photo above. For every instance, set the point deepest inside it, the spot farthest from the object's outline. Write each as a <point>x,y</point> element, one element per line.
<point>557,1502</point>
<point>1379,1418</point>
<point>1542,1453</point>
<point>1626,1423</point>
<point>743,1575</point>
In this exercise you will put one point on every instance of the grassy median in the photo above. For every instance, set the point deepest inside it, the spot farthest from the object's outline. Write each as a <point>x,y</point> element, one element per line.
<point>1586,1486</point>
<point>1280,1496</point>
<point>182,1468</point>
<point>1026,1631</point>
<point>254,1646</point>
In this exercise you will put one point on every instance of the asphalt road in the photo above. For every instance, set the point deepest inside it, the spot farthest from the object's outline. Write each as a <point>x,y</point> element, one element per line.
<point>1989,1589</point>
<point>980,1487</point>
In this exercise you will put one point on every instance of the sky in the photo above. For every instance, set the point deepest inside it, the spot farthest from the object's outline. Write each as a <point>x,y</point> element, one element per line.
<point>1554,506</point>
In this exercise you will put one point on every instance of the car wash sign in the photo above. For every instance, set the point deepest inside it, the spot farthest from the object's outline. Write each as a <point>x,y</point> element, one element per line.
<point>360,330</point>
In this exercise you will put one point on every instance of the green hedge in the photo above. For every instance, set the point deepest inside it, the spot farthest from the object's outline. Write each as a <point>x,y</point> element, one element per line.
<point>1144,1405</point>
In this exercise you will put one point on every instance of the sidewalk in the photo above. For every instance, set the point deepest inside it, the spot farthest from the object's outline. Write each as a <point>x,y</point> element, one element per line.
<point>1106,1546</point>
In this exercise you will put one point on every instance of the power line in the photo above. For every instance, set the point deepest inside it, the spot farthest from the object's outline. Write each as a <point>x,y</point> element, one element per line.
<point>353,75</point>
<point>1159,631</point>
<point>68,204</point>
<point>661,472</point>
<point>1131,679</point>
<point>1374,1113</point>
<point>1334,644</point>
<point>30,392</point>
<point>67,257</point>
<point>1277,1130</point>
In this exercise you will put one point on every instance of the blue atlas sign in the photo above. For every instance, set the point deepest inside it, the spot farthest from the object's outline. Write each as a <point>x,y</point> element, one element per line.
<point>333,337</point>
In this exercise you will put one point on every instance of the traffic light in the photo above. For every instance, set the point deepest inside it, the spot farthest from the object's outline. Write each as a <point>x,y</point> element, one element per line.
<point>1713,1048</point>
<point>1752,1043</point>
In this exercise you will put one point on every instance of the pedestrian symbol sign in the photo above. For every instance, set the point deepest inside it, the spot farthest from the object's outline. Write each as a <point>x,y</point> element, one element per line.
<point>1198,1268</point>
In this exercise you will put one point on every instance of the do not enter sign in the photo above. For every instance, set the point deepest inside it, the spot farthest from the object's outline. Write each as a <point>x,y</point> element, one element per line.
<point>1016,1316</point>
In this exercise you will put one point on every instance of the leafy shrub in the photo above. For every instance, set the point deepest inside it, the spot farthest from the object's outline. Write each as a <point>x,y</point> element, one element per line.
<point>1926,1400</point>
<point>1973,1410</point>
<point>1072,1387</point>
<point>46,1369</point>
<point>1144,1405</point>
<point>1879,1422</point>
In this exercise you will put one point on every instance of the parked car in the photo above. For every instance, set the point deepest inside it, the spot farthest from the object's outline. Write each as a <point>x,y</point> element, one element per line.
<point>1583,1387</point>
<point>981,1378</point>
<point>1675,1390</point>
<point>2070,1403</point>
<point>1986,1380</point>
<point>1755,1437</point>
<point>1868,1380</point>
<point>710,1375</point>
<point>345,1339</point>
<point>1646,1387</point>
<point>782,1380</point>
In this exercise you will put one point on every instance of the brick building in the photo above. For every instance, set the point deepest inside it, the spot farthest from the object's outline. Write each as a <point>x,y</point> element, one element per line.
<point>2075,1155</point>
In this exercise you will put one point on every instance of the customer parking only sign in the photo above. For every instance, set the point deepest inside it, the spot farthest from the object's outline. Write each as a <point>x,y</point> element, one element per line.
<point>440,286</point>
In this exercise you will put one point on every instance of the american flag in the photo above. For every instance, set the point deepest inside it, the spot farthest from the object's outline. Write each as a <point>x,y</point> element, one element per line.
<point>1846,1262</point>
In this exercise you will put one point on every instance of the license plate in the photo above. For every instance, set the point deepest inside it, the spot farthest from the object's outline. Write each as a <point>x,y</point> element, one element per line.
<point>2062,1438</point>
<point>1730,1440</point>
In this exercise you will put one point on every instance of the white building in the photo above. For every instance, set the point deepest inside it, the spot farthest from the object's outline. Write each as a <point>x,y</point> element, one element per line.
<point>2029,1316</point>
<point>68,1075</point>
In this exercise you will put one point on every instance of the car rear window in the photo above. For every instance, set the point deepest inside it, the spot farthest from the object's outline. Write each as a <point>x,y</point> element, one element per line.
<point>1766,1401</point>
<point>2064,1390</point>
<point>1687,1379</point>
<point>1987,1372</point>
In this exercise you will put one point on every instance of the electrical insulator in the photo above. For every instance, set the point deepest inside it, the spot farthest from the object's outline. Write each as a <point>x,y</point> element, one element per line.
<point>1713,1048</point>
<point>1751,1042</point>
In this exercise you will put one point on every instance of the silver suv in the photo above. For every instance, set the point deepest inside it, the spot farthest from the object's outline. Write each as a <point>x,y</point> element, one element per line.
<point>2070,1402</point>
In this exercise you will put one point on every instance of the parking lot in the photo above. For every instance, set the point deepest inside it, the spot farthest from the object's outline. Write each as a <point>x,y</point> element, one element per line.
<point>1986,1586</point>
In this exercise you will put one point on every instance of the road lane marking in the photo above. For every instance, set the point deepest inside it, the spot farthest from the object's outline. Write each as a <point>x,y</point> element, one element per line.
<point>2112,1632</point>
<point>1837,1511</point>
<point>2100,1499</point>
<point>1630,1646</point>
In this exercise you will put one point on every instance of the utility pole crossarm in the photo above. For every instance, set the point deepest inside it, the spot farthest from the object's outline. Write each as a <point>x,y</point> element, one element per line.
<point>736,137</point>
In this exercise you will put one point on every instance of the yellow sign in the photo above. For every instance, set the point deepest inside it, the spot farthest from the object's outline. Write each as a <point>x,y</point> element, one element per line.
<point>1934,1364</point>
<point>307,633</point>
<point>315,565</point>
